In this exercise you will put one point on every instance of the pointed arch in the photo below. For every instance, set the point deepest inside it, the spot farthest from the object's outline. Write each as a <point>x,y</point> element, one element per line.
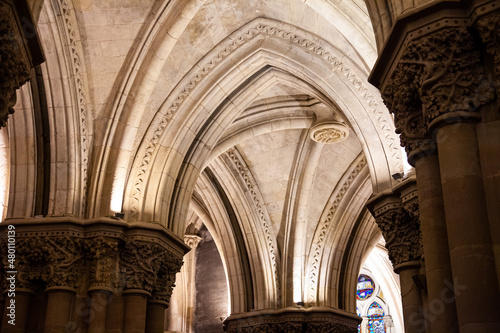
<point>203,105</point>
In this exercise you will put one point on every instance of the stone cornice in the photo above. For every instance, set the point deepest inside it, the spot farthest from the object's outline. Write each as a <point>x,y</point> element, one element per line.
<point>109,227</point>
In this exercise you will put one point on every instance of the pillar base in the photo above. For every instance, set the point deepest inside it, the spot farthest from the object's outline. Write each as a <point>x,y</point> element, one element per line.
<point>293,320</point>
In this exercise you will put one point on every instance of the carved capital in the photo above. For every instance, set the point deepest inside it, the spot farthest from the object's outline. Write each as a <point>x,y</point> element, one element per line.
<point>57,261</point>
<point>401,231</point>
<point>165,282</point>
<point>102,256</point>
<point>192,240</point>
<point>445,66</point>
<point>438,79</point>
<point>292,321</point>
<point>151,267</point>
<point>329,328</point>
<point>14,63</point>
<point>488,28</point>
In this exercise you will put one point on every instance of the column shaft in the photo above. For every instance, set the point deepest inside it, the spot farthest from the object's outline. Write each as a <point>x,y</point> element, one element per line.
<point>135,307</point>
<point>410,296</point>
<point>22,305</point>
<point>59,306</point>
<point>99,300</point>
<point>442,309</point>
<point>473,264</point>
<point>155,322</point>
<point>489,150</point>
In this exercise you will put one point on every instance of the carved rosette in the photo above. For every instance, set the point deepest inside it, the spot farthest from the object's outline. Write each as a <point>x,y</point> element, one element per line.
<point>57,261</point>
<point>102,256</point>
<point>14,63</point>
<point>330,132</point>
<point>151,267</point>
<point>401,231</point>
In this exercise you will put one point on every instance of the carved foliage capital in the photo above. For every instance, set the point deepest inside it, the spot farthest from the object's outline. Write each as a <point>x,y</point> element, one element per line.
<point>57,261</point>
<point>401,231</point>
<point>488,28</point>
<point>102,256</point>
<point>151,267</point>
<point>14,64</point>
<point>436,74</point>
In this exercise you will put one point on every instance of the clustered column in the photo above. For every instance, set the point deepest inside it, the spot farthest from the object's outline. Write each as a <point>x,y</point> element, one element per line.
<point>442,84</point>
<point>396,214</point>
<point>92,281</point>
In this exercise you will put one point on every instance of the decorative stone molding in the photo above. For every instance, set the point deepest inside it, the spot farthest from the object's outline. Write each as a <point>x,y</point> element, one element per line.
<point>293,320</point>
<point>249,182</point>
<point>437,75</point>
<point>259,28</point>
<point>165,281</point>
<point>330,132</point>
<point>325,223</point>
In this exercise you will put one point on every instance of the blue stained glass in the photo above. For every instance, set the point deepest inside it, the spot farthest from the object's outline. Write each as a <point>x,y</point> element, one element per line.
<point>359,314</point>
<point>376,322</point>
<point>365,287</point>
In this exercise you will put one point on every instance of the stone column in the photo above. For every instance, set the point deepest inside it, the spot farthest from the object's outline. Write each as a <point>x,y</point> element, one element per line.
<point>469,235</point>
<point>99,299</point>
<point>102,254</point>
<point>442,307</point>
<point>22,301</point>
<point>401,232</point>
<point>452,92</point>
<point>155,322</point>
<point>135,305</point>
<point>183,296</point>
<point>489,130</point>
<point>59,305</point>
<point>149,268</point>
<point>437,76</point>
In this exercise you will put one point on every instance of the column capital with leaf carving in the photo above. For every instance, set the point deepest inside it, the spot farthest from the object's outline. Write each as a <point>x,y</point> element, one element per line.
<point>396,214</point>
<point>431,71</point>
<point>20,51</point>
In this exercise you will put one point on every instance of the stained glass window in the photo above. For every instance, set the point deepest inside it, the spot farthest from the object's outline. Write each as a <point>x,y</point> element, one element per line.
<point>376,322</point>
<point>365,287</point>
<point>359,314</point>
